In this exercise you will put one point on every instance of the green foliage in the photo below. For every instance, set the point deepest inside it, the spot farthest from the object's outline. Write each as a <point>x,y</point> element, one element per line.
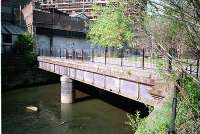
<point>192,93</point>
<point>30,57</point>
<point>192,90</point>
<point>24,45</point>
<point>175,27</point>
<point>112,28</point>
<point>188,115</point>
<point>158,121</point>
<point>134,121</point>
<point>25,42</point>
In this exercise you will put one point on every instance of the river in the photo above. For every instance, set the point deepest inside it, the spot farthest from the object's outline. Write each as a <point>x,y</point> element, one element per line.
<point>92,113</point>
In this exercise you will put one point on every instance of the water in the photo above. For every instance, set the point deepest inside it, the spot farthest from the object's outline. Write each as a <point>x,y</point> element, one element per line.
<point>89,115</point>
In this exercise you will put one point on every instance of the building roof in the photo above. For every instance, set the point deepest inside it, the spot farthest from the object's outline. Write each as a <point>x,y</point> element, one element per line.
<point>14,3</point>
<point>82,16</point>
<point>8,28</point>
<point>57,21</point>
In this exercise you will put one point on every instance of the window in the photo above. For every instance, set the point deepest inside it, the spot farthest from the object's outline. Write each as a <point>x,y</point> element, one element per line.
<point>7,38</point>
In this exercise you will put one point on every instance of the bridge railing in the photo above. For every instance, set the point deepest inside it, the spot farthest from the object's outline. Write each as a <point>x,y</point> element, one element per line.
<point>137,58</point>
<point>172,127</point>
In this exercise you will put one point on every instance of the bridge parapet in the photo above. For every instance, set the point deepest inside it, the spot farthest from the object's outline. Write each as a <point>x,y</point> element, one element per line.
<point>148,77</point>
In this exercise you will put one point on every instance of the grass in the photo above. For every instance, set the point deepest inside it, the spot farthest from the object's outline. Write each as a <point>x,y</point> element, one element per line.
<point>158,121</point>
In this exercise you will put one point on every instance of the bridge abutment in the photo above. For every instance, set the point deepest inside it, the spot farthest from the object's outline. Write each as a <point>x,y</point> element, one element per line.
<point>67,91</point>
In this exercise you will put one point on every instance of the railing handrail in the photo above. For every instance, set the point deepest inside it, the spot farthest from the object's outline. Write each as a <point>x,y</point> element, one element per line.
<point>172,128</point>
<point>124,55</point>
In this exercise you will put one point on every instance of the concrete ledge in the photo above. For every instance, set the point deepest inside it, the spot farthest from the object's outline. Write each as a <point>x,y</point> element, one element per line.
<point>149,77</point>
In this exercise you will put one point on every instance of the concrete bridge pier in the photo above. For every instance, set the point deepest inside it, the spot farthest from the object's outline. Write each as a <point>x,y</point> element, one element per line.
<point>67,92</point>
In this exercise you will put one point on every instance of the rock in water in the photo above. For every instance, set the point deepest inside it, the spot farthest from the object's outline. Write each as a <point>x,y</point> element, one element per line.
<point>32,108</point>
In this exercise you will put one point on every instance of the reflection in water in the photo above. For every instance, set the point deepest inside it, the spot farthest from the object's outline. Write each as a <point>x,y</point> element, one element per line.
<point>66,112</point>
<point>88,115</point>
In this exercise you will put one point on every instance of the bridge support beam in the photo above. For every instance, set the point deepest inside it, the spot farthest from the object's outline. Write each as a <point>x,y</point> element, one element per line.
<point>67,93</point>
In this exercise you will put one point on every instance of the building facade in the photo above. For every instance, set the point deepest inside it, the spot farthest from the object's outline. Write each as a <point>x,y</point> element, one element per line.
<point>11,24</point>
<point>54,29</point>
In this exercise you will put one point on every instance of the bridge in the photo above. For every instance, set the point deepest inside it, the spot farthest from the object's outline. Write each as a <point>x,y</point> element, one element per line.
<point>140,82</point>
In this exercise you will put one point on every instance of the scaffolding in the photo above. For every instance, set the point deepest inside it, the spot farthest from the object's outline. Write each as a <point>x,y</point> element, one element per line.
<point>73,7</point>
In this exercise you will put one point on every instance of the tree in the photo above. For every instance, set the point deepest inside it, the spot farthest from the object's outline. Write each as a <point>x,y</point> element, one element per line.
<point>112,28</point>
<point>183,23</point>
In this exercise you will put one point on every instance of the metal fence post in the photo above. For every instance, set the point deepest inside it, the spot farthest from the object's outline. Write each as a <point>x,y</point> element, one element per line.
<point>47,52</point>
<point>92,54</point>
<point>172,129</point>
<point>190,68</point>
<point>82,54</point>
<point>42,52</point>
<point>39,51</point>
<point>197,75</point>
<point>122,55</point>
<point>143,53</point>
<point>60,53</point>
<point>66,56</point>
<point>170,62</point>
<point>73,54</point>
<point>105,55</point>
<point>51,52</point>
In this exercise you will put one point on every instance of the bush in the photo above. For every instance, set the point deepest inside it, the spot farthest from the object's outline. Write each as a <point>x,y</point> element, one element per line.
<point>188,115</point>
<point>156,123</point>
<point>25,46</point>
<point>24,42</point>
<point>134,121</point>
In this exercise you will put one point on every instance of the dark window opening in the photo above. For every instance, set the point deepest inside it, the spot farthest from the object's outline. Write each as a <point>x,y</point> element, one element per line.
<point>7,38</point>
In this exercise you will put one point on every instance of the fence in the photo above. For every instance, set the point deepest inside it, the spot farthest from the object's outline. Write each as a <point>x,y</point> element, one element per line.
<point>130,57</point>
<point>172,128</point>
<point>139,58</point>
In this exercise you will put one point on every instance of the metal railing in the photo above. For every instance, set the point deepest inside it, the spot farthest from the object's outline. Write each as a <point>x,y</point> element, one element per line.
<point>138,58</point>
<point>172,128</point>
<point>130,57</point>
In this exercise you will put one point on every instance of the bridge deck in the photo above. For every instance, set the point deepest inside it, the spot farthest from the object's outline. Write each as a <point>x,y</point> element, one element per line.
<point>134,83</point>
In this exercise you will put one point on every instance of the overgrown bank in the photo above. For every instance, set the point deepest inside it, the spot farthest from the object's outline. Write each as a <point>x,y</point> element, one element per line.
<point>157,122</point>
<point>188,107</point>
<point>187,115</point>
